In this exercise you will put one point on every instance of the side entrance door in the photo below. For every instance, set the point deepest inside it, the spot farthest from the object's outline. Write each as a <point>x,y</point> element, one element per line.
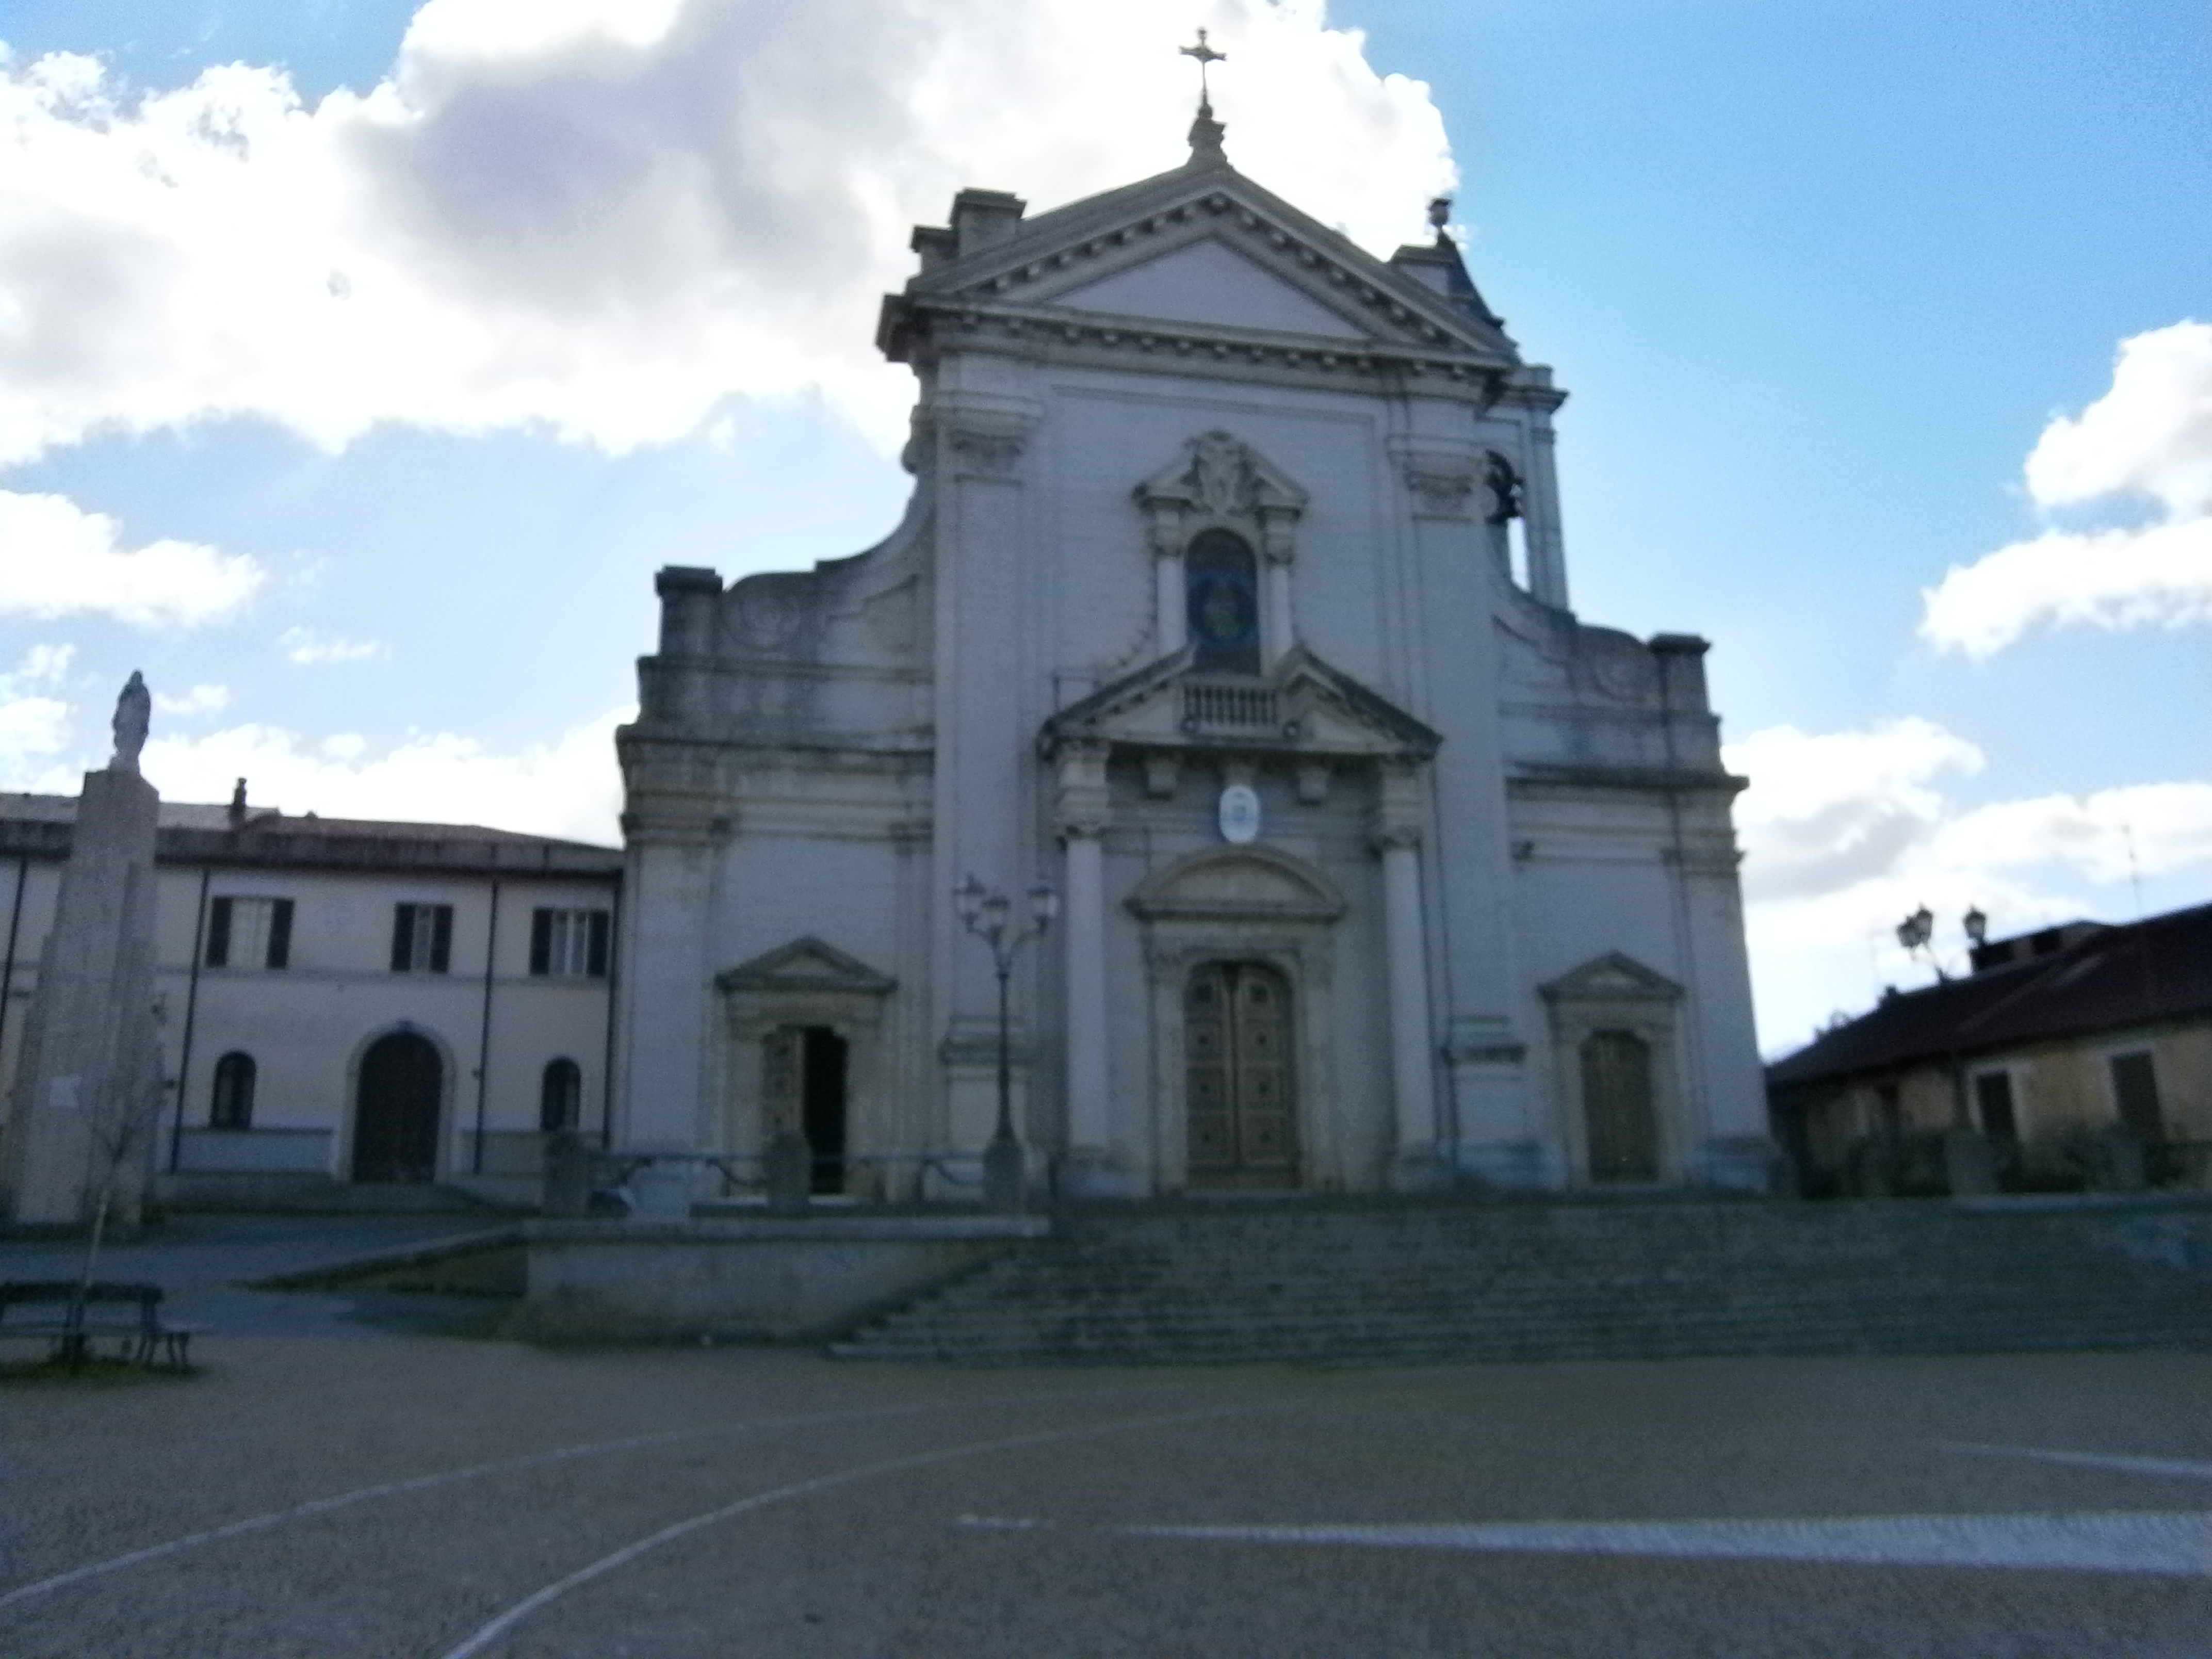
<point>803,1085</point>
<point>395,1120</point>
<point>1239,1090</point>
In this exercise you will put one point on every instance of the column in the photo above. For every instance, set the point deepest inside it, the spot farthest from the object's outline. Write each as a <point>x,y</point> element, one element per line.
<point>1412,1075</point>
<point>1082,812</point>
<point>1168,598</point>
<point>1547,558</point>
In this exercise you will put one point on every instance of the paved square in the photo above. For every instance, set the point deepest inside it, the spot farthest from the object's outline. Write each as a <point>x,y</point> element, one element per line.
<point>339,1481</point>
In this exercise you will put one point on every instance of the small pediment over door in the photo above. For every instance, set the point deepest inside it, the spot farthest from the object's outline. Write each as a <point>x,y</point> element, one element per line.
<point>1612,977</point>
<point>807,964</point>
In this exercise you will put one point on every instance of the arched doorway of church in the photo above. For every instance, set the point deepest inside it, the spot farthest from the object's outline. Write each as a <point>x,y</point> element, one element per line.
<point>1619,1116</point>
<point>805,1077</point>
<point>1240,1090</point>
<point>395,1120</point>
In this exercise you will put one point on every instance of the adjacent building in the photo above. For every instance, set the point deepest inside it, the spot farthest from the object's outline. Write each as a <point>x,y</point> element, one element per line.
<point>344,999</point>
<point>2082,1054</point>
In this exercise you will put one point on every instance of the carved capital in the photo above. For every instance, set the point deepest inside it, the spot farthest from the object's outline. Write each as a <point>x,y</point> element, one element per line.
<point>1440,492</point>
<point>986,452</point>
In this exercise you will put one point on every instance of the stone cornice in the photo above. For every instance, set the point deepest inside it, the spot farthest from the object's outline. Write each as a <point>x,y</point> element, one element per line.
<point>1054,251</point>
<point>929,325</point>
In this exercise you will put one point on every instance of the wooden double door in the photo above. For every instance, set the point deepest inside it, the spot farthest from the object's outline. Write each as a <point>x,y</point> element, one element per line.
<point>1241,1086</point>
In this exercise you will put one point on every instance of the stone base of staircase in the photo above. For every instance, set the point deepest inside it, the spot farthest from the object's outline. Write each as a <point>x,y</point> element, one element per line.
<point>1413,1283</point>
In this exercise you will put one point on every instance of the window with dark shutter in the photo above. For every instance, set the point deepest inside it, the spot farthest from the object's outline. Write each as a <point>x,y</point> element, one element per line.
<point>280,933</point>
<point>218,934</point>
<point>1993,1101</point>
<point>403,937</point>
<point>569,944</point>
<point>2134,1096</point>
<point>441,937</point>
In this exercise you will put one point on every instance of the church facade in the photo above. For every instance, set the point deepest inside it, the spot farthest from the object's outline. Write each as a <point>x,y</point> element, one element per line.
<point>1230,605</point>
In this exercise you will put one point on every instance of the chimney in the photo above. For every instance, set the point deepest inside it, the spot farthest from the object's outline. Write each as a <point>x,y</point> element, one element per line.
<point>238,806</point>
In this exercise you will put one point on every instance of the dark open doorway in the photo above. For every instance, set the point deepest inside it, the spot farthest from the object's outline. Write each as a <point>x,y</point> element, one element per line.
<point>822,1104</point>
<point>395,1123</point>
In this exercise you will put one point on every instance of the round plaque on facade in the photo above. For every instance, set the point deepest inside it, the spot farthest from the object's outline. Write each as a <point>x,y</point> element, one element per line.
<point>1240,814</point>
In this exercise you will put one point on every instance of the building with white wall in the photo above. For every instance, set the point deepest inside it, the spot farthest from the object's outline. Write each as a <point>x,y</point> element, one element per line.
<point>1230,604</point>
<point>348,1000</point>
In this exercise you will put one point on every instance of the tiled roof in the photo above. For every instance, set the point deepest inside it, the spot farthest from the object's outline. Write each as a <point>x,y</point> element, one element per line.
<point>2109,980</point>
<point>39,824</point>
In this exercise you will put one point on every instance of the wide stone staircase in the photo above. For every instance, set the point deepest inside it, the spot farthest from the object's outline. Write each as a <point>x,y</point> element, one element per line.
<point>1413,1283</point>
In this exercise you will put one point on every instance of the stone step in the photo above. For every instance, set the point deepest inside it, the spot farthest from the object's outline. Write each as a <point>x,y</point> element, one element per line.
<point>1404,1285</point>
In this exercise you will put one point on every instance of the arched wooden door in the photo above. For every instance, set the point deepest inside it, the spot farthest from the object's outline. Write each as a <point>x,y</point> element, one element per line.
<point>1618,1111</point>
<point>395,1120</point>
<point>1240,1087</point>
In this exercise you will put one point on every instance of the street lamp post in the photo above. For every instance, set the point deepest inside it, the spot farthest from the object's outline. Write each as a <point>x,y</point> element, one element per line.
<point>986,912</point>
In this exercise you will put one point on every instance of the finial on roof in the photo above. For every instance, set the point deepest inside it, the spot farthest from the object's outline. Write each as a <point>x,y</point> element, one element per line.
<point>238,804</point>
<point>1439,216</point>
<point>1206,133</point>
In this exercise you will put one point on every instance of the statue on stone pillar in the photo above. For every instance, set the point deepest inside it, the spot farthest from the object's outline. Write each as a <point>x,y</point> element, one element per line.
<point>134,712</point>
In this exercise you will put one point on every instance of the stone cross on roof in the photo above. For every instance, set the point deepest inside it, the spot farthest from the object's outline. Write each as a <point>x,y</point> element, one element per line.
<point>1207,57</point>
<point>1206,133</point>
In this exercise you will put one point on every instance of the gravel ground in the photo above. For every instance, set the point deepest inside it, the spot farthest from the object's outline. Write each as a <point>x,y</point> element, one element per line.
<point>381,1489</point>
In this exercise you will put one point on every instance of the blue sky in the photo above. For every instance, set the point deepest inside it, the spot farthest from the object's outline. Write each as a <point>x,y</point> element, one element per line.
<point>1820,279</point>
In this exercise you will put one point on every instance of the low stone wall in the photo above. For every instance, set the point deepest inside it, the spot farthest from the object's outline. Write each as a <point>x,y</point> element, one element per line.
<point>777,1278</point>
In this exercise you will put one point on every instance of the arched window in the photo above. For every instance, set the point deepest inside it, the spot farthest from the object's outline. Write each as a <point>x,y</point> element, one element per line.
<point>231,1106</point>
<point>560,1096</point>
<point>1221,582</point>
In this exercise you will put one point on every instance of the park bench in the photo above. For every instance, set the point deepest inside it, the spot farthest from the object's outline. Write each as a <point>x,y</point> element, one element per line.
<point>74,1318</point>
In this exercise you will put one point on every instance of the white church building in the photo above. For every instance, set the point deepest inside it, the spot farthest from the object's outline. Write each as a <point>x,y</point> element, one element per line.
<point>1231,605</point>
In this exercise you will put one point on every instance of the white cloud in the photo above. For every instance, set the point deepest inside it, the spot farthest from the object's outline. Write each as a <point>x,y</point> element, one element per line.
<point>607,218</point>
<point>2159,576</point>
<point>309,645</point>
<point>1828,810</point>
<point>2150,435</point>
<point>32,725</point>
<point>200,700</point>
<point>43,663</point>
<point>30,728</point>
<point>570,787</point>
<point>56,559</point>
<point>1845,834</point>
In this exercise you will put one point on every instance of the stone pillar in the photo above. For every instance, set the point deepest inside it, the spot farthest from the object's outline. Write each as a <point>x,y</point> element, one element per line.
<point>1167,597</point>
<point>1412,1077</point>
<point>87,1105</point>
<point>1279,631</point>
<point>1086,1162</point>
<point>1548,557</point>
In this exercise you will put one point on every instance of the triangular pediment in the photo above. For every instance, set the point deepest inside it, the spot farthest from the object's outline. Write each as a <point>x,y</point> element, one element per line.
<point>1612,977</point>
<point>1305,707</point>
<point>1253,883</point>
<point>1210,249</point>
<point>807,964</point>
<point>1208,282</point>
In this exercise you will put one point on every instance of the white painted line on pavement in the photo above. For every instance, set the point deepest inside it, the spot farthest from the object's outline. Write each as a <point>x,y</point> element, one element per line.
<point>490,1632</point>
<point>2126,1542</point>
<point>1002,1523</point>
<point>2177,1467</point>
<point>422,1482</point>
